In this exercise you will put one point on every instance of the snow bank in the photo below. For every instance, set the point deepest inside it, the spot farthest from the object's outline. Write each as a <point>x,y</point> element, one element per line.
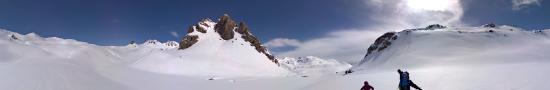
<point>313,65</point>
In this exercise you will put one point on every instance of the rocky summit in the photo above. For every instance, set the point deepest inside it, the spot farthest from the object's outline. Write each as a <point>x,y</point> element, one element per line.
<point>227,29</point>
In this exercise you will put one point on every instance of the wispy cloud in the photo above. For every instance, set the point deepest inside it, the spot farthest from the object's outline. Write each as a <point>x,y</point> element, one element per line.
<point>520,4</point>
<point>345,45</point>
<point>282,42</point>
<point>174,33</point>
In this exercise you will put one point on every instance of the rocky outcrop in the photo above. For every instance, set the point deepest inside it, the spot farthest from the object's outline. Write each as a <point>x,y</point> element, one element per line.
<point>225,27</point>
<point>200,29</point>
<point>171,44</point>
<point>196,28</point>
<point>243,28</point>
<point>191,29</point>
<point>152,42</point>
<point>490,25</point>
<point>382,42</point>
<point>13,37</point>
<point>188,41</point>
<point>203,22</point>
<point>435,26</point>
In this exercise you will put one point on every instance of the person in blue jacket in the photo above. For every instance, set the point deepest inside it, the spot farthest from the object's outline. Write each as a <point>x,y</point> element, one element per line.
<point>404,82</point>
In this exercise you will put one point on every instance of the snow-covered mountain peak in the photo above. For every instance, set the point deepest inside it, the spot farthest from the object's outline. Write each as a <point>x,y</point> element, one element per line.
<point>151,43</point>
<point>224,31</point>
<point>435,26</point>
<point>171,44</point>
<point>405,48</point>
<point>35,39</point>
<point>429,27</point>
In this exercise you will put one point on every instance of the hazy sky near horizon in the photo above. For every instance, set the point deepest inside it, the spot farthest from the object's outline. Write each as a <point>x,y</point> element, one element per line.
<point>288,26</point>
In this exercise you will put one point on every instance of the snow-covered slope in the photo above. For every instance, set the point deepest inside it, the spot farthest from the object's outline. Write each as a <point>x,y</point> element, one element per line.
<point>449,58</point>
<point>457,46</point>
<point>29,62</point>
<point>204,51</point>
<point>313,65</point>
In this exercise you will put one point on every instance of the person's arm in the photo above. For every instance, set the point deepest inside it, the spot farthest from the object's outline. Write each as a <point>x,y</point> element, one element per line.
<point>399,71</point>
<point>363,88</point>
<point>372,88</point>
<point>414,85</point>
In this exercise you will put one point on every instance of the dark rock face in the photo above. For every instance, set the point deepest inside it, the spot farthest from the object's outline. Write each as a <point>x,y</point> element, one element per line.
<point>190,29</point>
<point>490,25</point>
<point>13,37</point>
<point>188,41</point>
<point>225,27</point>
<point>382,42</point>
<point>152,42</point>
<point>203,22</point>
<point>200,29</point>
<point>196,28</point>
<point>243,30</point>
<point>435,26</point>
<point>171,43</point>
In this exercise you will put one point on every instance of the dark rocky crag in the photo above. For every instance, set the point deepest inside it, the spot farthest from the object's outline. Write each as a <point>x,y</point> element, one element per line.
<point>226,28</point>
<point>386,39</point>
<point>490,25</point>
<point>188,41</point>
<point>382,42</point>
<point>435,26</point>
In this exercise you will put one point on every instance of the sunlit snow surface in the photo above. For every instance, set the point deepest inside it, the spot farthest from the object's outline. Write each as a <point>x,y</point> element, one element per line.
<point>443,59</point>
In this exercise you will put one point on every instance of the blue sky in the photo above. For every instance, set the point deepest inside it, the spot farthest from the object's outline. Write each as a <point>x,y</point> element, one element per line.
<point>291,25</point>
<point>115,22</point>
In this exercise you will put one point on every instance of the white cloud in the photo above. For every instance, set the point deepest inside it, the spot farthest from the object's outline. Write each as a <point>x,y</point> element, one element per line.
<point>389,15</point>
<point>416,13</point>
<point>282,42</point>
<point>345,45</point>
<point>520,4</point>
<point>174,33</point>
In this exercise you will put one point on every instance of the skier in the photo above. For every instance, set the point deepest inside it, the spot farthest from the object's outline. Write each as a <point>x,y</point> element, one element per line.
<point>367,86</point>
<point>404,82</point>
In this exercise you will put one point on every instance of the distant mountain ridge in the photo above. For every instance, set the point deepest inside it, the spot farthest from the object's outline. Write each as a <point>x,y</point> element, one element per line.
<point>210,49</point>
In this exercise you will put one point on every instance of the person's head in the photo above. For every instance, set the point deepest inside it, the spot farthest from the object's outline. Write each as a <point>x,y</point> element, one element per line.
<point>366,83</point>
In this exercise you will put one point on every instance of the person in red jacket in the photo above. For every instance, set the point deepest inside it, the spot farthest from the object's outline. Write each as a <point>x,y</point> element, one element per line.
<point>367,86</point>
